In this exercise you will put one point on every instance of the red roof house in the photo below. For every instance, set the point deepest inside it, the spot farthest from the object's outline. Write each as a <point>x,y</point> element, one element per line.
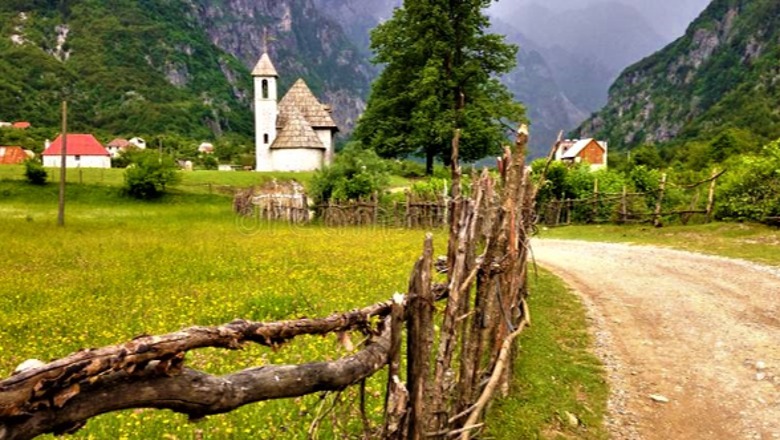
<point>12,155</point>
<point>21,124</point>
<point>82,150</point>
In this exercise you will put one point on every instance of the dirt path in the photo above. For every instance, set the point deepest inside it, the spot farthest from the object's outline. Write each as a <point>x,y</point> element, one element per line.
<point>702,332</point>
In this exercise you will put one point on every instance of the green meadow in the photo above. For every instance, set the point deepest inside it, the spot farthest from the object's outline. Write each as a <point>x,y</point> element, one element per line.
<point>120,268</point>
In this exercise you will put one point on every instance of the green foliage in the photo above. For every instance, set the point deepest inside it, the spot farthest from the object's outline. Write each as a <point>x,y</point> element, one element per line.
<point>356,172</point>
<point>34,172</point>
<point>208,161</point>
<point>125,57</point>
<point>751,188</point>
<point>149,174</point>
<point>440,68</point>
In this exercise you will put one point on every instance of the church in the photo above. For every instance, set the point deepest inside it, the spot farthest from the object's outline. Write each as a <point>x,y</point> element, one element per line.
<point>294,134</point>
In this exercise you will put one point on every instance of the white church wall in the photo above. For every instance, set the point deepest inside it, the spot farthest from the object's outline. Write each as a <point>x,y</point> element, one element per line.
<point>326,137</point>
<point>289,159</point>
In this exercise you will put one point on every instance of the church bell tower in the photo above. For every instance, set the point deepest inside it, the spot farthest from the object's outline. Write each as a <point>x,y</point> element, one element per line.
<point>266,111</point>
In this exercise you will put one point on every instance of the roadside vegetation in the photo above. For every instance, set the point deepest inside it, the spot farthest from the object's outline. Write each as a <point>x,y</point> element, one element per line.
<point>749,241</point>
<point>561,389</point>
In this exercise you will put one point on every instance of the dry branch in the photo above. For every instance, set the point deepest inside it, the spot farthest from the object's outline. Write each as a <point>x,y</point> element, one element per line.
<point>195,393</point>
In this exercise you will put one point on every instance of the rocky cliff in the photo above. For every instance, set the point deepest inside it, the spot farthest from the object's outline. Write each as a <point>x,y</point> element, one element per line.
<point>723,73</point>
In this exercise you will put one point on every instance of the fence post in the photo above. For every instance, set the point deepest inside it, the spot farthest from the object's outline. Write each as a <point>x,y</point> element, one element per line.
<point>711,195</point>
<point>419,333</point>
<point>595,209</point>
<point>657,215</point>
<point>624,206</point>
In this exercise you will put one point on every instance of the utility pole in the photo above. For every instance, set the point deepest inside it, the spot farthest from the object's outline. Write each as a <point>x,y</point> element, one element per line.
<point>63,158</point>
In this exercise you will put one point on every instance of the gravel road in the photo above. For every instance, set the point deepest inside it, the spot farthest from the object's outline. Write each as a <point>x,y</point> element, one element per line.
<point>691,343</point>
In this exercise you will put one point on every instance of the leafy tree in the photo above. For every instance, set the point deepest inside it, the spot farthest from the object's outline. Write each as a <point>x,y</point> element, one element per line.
<point>149,175</point>
<point>356,172</point>
<point>751,188</point>
<point>34,172</point>
<point>440,68</point>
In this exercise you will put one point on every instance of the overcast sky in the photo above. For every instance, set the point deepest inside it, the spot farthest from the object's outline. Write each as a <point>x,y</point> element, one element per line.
<point>668,17</point>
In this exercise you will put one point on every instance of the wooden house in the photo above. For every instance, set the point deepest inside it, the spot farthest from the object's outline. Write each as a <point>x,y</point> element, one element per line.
<point>590,151</point>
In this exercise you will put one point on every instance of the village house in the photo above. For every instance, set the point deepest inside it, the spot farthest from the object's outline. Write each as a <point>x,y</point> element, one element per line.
<point>294,134</point>
<point>82,151</point>
<point>590,151</point>
<point>14,155</point>
<point>117,146</point>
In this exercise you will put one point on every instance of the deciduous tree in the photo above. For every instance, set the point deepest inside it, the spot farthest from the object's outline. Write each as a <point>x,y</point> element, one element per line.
<point>440,67</point>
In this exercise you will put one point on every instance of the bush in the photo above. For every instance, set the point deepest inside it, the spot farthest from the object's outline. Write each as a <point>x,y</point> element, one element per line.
<point>34,172</point>
<point>751,188</point>
<point>149,175</point>
<point>356,172</point>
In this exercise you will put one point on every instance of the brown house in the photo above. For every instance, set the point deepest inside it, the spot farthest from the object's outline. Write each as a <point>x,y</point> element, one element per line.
<point>590,151</point>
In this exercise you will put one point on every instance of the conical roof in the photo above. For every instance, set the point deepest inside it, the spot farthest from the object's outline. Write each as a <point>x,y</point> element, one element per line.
<point>300,97</point>
<point>264,67</point>
<point>296,132</point>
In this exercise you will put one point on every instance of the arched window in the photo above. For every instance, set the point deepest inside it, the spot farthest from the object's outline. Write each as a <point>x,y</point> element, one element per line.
<point>265,138</point>
<point>265,89</point>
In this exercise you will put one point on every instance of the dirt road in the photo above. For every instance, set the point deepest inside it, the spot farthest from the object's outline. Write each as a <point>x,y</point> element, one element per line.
<point>691,343</point>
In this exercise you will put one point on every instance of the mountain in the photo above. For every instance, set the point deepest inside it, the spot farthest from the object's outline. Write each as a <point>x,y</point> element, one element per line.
<point>568,57</point>
<point>167,66</point>
<point>721,75</point>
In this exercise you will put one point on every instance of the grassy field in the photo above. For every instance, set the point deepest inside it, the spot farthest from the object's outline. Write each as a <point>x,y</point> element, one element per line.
<point>737,240</point>
<point>122,267</point>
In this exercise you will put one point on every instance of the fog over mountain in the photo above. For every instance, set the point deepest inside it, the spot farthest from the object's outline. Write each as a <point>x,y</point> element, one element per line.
<point>668,17</point>
<point>570,50</point>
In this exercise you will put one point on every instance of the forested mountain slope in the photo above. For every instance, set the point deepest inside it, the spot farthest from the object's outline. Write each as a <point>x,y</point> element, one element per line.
<point>722,75</point>
<point>166,66</point>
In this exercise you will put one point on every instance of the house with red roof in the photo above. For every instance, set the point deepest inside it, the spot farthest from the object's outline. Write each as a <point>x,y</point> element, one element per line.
<point>82,151</point>
<point>22,125</point>
<point>12,155</point>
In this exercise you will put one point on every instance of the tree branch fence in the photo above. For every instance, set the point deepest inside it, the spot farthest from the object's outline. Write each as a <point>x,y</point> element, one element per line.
<point>459,326</point>
<point>669,202</point>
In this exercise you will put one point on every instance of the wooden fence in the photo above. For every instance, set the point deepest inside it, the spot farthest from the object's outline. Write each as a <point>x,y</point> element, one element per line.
<point>274,202</point>
<point>415,212</point>
<point>445,392</point>
<point>634,207</point>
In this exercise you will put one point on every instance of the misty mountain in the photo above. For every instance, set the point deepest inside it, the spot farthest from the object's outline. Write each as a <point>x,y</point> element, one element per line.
<point>722,75</point>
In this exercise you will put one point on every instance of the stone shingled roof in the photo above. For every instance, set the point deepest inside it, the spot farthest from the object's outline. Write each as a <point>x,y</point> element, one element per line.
<point>264,67</point>
<point>301,98</point>
<point>296,132</point>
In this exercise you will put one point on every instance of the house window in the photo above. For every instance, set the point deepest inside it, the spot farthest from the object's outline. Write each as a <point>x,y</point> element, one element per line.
<point>265,89</point>
<point>78,157</point>
<point>265,138</point>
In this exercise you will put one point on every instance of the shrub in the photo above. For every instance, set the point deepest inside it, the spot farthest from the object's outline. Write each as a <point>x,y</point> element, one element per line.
<point>34,172</point>
<point>751,188</point>
<point>149,175</point>
<point>356,172</point>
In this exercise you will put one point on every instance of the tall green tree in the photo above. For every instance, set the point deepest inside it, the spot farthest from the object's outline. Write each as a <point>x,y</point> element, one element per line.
<point>440,73</point>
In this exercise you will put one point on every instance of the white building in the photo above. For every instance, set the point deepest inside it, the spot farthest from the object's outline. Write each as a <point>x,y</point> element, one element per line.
<point>294,134</point>
<point>81,151</point>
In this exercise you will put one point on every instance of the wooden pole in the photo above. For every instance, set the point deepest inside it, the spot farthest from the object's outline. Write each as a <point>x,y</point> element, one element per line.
<point>595,209</point>
<point>657,215</point>
<point>624,205</point>
<point>419,333</point>
<point>63,158</point>
<point>711,195</point>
